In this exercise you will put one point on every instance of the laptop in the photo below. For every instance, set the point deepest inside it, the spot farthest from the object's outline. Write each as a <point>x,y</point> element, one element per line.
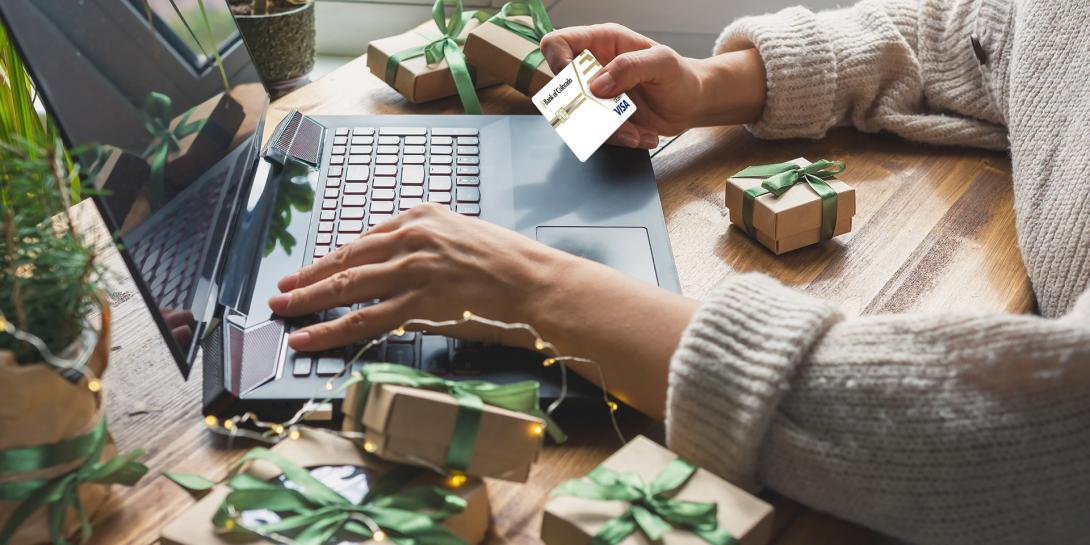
<point>208,218</point>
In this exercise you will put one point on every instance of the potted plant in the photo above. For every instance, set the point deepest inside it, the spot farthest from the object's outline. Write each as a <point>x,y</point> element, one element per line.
<point>56,459</point>
<point>281,38</point>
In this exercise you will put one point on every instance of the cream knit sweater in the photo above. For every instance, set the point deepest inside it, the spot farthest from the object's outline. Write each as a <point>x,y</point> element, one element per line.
<point>933,428</point>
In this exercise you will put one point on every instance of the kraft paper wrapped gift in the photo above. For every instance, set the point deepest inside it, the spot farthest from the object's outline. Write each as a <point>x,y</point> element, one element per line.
<point>327,457</point>
<point>727,515</point>
<point>794,219</point>
<point>418,426</point>
<point>204,134</point>
<point>413,77</point>
<point>513,58</point>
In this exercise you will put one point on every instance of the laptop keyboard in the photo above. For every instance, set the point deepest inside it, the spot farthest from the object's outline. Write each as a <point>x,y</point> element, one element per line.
<point>375,174</point>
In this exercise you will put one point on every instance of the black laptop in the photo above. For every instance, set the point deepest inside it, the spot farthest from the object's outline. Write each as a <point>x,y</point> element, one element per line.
<point>209,219</point>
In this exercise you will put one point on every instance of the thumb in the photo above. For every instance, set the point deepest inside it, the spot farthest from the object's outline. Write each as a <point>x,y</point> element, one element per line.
<point>628,70</point>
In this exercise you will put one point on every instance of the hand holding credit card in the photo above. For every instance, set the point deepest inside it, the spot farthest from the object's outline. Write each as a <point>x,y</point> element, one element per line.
<point>582,120</point>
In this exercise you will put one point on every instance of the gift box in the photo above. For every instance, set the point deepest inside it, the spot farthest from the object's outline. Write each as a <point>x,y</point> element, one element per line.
<point>381,500</point>
<point>645,494</point>
<point>121,176</point>
<point>447,432</point>
<point>204,135</point>
<point>512,57</point>
<point>413,77</point>
<point>791,205</point>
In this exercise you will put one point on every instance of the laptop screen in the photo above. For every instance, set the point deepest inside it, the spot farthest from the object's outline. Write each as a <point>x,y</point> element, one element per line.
<point>166,102</point>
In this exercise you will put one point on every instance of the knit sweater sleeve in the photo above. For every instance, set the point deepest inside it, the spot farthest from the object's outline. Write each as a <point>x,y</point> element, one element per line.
<point>902,66</point>
<point>952,428</point>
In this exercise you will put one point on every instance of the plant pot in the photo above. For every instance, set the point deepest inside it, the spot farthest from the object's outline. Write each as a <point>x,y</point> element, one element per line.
<point>282,45</point>
<point>41,407</point>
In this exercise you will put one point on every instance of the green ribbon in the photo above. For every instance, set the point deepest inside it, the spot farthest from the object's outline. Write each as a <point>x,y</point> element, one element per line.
<point>315,512</point>
<point>447,46</point>
<point>62,492</point>
<point>652,509</point>
<point>157,110</point>
<point>780,177</point>
<point>542,25</point>
<point>471,396</point>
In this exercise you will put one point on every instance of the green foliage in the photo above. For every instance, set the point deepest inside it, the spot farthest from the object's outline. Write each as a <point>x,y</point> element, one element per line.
<point>297,196</point>
<point>49,277</point>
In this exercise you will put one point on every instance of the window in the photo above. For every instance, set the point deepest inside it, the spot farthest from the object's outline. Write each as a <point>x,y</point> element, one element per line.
<point>182,25</point>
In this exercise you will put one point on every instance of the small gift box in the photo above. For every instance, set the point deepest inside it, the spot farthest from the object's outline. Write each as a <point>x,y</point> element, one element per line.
<point>475,427</point>
<point>786,206</point>
<point>120,176</point>
<point>203,135</point>
<point>320,489</point>
<point>507,46</point>
<point>427,62</point>
<point>645,494</point>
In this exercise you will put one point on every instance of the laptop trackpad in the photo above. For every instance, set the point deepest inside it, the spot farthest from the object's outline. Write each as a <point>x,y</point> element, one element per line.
<point>626,249</point>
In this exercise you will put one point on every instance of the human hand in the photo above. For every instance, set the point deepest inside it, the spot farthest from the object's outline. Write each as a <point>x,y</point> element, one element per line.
<point>428,263</point>
<point>662,83</point>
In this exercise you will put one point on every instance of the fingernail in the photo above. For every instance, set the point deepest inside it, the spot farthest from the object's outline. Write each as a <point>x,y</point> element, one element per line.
<point>299,339</point>
<point>603,85</point>
<point>280,302</point>
<point>648,141</point>
<point>289,282</point>
<point>628,140</point>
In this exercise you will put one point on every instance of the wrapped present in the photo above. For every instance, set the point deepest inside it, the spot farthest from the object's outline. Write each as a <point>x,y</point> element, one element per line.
<point>183,148</point>
<point>321,489</point>
<point>427,62</point>
<point>508,46</point>
<point>120,176</point>
<point>645,494</point>
<point>475,427</point>
<point>786,206</point>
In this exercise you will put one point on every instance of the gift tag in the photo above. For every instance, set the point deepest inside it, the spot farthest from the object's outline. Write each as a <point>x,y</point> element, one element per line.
<point>583,120</point>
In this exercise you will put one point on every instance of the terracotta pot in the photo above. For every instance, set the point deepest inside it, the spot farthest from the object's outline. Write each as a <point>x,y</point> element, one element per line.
<point>41,407</point>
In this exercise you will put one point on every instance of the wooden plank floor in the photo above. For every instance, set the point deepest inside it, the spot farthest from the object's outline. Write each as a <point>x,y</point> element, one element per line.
<point>934,231</point>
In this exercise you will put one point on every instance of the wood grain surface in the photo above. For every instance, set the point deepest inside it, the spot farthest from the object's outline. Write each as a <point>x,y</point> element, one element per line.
<point>934,231</point>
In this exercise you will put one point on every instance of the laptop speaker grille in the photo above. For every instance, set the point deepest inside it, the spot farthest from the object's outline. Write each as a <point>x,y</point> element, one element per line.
<point>299,137</point>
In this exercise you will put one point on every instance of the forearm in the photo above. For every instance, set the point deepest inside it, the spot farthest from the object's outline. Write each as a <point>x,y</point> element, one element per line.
<point>629,327</point>
<point>732,89</point>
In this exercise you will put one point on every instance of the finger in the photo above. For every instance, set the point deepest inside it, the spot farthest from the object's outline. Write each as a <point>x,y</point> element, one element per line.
<point>362,251</point>
<point>627,135</point>
<point>365,323</point>
<point>648,139</point>
<point>604,41</point>
<point>343,288</point>
<point>655,64</point>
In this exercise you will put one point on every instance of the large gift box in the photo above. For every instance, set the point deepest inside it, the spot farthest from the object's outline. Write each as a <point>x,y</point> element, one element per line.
<point>645,494</point>
<point>474,427</point>
<point>787,206</point>
<point>507,46</point>
<point>320,488</point>
<point>411,74</point>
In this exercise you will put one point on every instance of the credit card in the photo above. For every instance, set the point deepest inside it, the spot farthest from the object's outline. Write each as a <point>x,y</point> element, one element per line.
<point>583,120</point>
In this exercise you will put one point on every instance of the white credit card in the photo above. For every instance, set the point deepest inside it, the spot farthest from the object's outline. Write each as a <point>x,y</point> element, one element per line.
<point>583,120</point>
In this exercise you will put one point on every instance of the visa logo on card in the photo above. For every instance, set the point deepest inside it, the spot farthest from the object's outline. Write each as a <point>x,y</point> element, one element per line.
<point>582,120</point>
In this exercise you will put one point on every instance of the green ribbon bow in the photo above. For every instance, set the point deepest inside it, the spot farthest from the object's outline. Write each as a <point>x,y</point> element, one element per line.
<point>471,396</point>
<point>61,492</point>
<point>315,512</point>
<point>542,25</point>
<point>447,46</point>
<point>780,177</point>
<point>157,110</point>
<point>652,508</point>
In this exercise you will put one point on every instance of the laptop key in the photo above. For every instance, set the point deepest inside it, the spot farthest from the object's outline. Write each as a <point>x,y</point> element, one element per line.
<point>354,200</point>
<point>468,141</point>
<point>468,160</point>
<point>375,219</point>
<point>325,227</point>
<point>342,131</point>
<point>346,238</point>
<point>389,141</point>
<point>383,195</point>
<point>337,150</point>
<point>360,150</point>
<point>340,141</point>
<point>412,175</point>
<point>350,226</point>
<point>330,365</point>
<point>363,131</point>
<point>385,170</point>
<point>469,194</point>
<point>363,140</point>
<point>355,188</point>
<point>439,183</point>
<point>321,251</point>
<point>323,239</point>
<point>412,160</point>
<point>441,150</point>
<point>414,150</point>
<point>333,182</point>
<point>329,215</point>
<point>469,171</point>
<point>441,197</point>
<point>468,150</point>
<point>408,203</point>
<point>357,173</point>
<point>439,170</point>
<point>468,209</point>
<point>441,140</point>
<point>332,192</point>
<point>335,172</point>
<point>440,159</point>
<point>404,131</point>
<point>416,140</point>
<point>412,191</point>
<point>401,353</point>
<point>386,160</point>
<point>352,213</point>
<point>382,207</point>
<point>456,131</point>
<point>359,160</point>
<point>469,181</point>
<point>406,337</point>
<point>434,354</point>
<point>389,150</point>
<point>384,182</point>
<point>329,204</point>
<point>300,365</point>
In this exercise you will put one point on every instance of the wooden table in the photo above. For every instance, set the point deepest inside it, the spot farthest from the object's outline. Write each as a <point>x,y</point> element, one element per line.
<point>934,231</point>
